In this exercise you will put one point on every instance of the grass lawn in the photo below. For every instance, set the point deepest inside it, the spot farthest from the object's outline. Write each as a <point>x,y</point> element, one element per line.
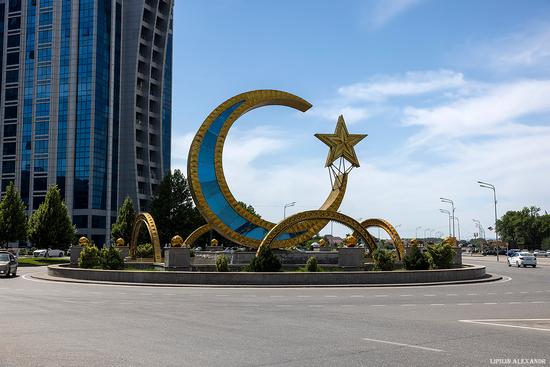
<point>40,261</point>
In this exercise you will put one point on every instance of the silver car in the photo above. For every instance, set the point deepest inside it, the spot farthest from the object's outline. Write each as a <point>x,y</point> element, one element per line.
<point>523,258</point>
<point>8,264</point>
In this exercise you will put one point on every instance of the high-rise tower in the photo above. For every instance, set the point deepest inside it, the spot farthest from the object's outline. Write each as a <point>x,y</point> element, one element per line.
<point>85,103</point>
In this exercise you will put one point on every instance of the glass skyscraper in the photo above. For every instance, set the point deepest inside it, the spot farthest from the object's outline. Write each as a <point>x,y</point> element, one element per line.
<point>85,103</point>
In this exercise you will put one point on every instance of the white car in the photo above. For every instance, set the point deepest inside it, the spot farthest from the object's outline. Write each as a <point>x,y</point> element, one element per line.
<point>540,253</point>
<point>522,259</point>
<point>51,253</point>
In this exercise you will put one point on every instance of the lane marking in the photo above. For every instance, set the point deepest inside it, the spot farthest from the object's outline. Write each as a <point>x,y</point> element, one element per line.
<point>403,345</point>
<point>437,304</point>
<point>495,322</point>
<point>380,295</point>
<point>331,296</point>
<point>303,296</point>
<point>405,295</point>
<point>492,293</point>
<point>451,294</point>
<point>378,305</point>
<point>356,296</point>
<point>429,295</point>
<point>490,303</point>
<point>408,304</point>
<point>514,303</point>
<point>463,304</point>
<point>472,294</point>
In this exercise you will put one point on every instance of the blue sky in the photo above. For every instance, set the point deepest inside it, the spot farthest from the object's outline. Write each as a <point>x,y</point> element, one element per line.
<point>449,92</point>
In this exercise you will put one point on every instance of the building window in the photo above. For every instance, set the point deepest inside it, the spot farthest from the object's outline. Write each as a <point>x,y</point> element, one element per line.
<point>99,222</point>
<point>80,221</point>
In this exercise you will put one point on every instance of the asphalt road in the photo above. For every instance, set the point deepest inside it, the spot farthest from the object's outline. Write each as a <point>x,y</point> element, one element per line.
<point>61,324</point>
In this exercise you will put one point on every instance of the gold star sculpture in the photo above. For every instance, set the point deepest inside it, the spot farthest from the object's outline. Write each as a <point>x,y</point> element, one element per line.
<point>341,143</point>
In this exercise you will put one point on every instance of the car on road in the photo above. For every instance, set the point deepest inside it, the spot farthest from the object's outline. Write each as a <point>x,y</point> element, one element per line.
<point>523,258</point>
<point>540,253</point>
<point>51,253</point>
<point>8,264</point>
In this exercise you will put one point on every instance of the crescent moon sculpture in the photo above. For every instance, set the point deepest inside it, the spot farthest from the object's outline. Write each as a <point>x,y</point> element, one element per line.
<point>209,188</point>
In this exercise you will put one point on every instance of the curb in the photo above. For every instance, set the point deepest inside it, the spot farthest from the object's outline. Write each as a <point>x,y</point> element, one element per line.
<point>45,277</point>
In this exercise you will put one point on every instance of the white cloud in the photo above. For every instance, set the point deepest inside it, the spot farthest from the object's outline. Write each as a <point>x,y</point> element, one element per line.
<point>411,83</point>
<point>496,112</point>
<point>529,47</point>
<point>385,10</point>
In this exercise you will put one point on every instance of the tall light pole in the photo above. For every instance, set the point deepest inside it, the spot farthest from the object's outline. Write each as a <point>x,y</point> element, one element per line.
<point>448,213</point>
<point>458,225</point>
<point>287,205</point>
<point>416,231</point>
<point>492,187</point>
<point>481,231</point>
<point>445,200</point>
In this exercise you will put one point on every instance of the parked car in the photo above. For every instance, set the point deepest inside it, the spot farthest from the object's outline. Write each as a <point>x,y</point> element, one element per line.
<point>538,253</point>
<point>548,253</point>
<point>523,258</point>
<point>51,253</point>
<point>8,264</point>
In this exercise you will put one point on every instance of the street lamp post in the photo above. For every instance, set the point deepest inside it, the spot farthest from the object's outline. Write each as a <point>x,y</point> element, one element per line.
<point>449,214</point>
<point>480,229</point>
<point>492,187</point>
<point>445,200</point>
<point>287,205</point>
<point>458,225</point>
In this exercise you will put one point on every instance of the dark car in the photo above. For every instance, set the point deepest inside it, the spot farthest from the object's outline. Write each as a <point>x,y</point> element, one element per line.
<point>8,264</point>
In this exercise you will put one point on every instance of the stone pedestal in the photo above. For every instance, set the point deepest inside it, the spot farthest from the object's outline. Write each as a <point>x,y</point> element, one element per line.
<point>124,251</point>
<point>457,259</point>
<point>351,257</point>
<point>177,258</point>
<point>242,257</point>
<point>75,254</point>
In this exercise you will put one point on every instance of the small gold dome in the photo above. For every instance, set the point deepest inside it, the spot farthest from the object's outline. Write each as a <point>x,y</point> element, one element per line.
<point>214,242</point>
<point>350,241</point>
<point>322,242</point>
<point>83,241</point>
<point>176,241</point>
<point>120,242</point>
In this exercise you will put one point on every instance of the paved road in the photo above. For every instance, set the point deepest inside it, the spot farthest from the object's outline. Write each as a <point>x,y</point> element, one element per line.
<point>60,324</point>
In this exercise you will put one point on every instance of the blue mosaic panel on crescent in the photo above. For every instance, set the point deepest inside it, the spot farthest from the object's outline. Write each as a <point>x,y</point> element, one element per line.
<point>211,189</point>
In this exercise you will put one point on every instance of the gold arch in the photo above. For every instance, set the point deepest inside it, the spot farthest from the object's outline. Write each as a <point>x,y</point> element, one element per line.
<point>194,236</point>
<point>249,101</point>
<point>389,229</point>
<point>147,219</point>
<point>318,215</point>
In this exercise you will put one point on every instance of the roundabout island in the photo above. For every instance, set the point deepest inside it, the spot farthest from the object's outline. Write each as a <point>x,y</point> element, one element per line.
<point>270,256</point>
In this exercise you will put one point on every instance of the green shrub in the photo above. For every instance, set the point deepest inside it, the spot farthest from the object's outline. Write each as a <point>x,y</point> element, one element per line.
<point>145,250</point>
<point>90,258</point>
<point>222,264</point>
<point>312,265</point>
<point>440,256</point>
<point>384,259</point>
<point>265,260</point>
<point>111,258</point>
<point>416,260</point>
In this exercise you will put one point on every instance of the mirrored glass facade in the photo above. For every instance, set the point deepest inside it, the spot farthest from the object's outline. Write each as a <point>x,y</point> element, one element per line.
<point>85,103</point>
